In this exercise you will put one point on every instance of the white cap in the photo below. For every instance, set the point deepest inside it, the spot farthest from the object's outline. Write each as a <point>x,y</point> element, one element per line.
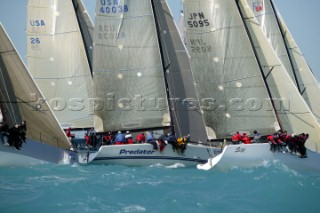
<point>127,132</point>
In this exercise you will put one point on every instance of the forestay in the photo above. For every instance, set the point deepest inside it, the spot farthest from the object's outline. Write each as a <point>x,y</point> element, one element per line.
<point>287,51</point>
<point>294,114</point>
<point>58,62</point>
<point>19,99</point>
<point>228,79</point>
<point>185,110</point>
<point>128,76</point>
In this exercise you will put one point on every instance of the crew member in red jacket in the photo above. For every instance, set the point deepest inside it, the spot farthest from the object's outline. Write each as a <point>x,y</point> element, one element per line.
<point>273,141</point>
<point>141,138</point>
<point>245,139</point>
<point>236,138</point>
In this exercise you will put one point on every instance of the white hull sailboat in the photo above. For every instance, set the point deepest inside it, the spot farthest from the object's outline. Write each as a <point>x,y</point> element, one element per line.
<point>242,74</point>
<point>45,140</point>
<point>254,155</point>
<point>143,80</point>
<point>144,154</point>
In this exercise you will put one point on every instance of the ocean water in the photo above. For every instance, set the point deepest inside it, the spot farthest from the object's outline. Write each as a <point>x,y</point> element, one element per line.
<point>270,187</point>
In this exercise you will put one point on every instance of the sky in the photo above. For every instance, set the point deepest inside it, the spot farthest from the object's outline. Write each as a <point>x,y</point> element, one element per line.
<point>301,17</point>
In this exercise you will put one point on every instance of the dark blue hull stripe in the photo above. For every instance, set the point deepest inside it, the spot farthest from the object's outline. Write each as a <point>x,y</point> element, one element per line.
<point>151,157</point>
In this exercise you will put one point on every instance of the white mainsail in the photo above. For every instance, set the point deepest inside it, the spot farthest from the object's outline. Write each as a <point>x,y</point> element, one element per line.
<point>228,79</point>
<point>58,62</point>
<point>295,116</point>
<point>287,51</point>
<point>19,97</point>
<point>128,75</point>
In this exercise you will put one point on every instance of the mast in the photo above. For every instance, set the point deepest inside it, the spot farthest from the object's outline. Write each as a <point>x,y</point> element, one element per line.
<point>287,49</point>
<point>260,66</point>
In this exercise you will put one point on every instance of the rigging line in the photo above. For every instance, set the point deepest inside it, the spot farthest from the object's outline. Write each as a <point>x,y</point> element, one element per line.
<point>299,118</point>
<point>8,96</point>
<point>6,104</point>
<point>237,2</point>
<point>286,46</point>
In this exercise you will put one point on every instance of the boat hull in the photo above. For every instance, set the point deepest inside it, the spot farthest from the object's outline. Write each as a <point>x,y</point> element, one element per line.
<point>249,155</point>
<point>144,154</point>
<point>33,152</point>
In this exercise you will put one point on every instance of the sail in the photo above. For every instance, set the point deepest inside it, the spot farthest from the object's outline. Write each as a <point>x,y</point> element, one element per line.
<point>20,98</point>
<point>266,17</point>
<point>186,114</point>
<point>294,114</point>
<point>129,84</point>
<point>86,28</point>
<point>309,86</point>
<point>58,62</point>
<point>228,79</point>
<point>287,51</point>
<point>181,27</point>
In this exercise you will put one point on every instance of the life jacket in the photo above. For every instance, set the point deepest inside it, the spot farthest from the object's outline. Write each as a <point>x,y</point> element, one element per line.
<point>181,141</point>
<point>140,138</point>
<point>246,140</point>
<point>129,140</point>
<point>271,139</point>
<point>236,137</point>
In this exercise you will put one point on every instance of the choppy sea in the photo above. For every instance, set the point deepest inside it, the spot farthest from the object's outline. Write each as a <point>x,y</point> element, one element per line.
<point>45,187</point>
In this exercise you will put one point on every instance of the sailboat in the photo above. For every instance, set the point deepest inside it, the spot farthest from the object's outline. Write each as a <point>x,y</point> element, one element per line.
<point>59,54</point>
<point>229,49</point>
<point>143,82</point>
<point>20,100</point>
<point>288,52</point>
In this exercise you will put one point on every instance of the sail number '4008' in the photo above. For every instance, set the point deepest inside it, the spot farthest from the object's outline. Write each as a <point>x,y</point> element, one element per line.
<point>113,6</point>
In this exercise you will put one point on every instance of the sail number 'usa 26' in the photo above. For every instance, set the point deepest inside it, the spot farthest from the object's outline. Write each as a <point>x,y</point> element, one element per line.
<point>113,6</point>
